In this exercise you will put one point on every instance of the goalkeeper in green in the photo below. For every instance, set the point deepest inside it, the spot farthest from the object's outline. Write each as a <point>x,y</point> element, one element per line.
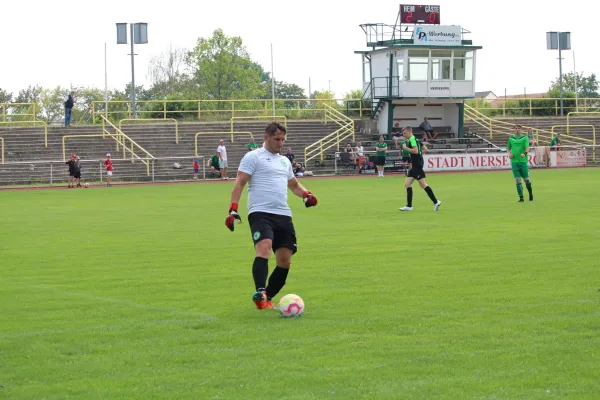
<point>517,147</point>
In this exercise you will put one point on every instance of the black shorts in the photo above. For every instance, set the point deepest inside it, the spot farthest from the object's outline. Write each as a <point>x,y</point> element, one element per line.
<point>77,175</point>
<point>406,159</point>
<point>416,173</point>
<point>278,228</point>
<point>380,161</point>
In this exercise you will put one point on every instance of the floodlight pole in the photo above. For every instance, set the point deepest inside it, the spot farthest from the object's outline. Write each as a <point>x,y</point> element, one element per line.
<point>134,114</point>
<point>560,79</point>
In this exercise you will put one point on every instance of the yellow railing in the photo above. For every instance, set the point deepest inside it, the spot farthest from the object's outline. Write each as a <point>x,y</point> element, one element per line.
<point>65,137</point>
<point>334,139</point>
<point>155,120</point>
<point>29,106</point>
<point>263,118</point>
<point>528,106</point>
<point>120,136</point>
<point>580,113</point>
<point>226,109</point>
<point>2,143</point>
<point>27,123</point>
<point>495,127</point>
<point>584,140</point>
<point>218,133</point>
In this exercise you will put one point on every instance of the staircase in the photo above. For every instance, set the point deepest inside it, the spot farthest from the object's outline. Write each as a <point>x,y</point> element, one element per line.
<point>27,161</point>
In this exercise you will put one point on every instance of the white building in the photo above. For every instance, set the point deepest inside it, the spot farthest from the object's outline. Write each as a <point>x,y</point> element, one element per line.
<point>415,70</point>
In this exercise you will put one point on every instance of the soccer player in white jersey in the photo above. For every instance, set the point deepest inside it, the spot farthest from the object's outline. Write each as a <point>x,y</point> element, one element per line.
<point>269,175</point>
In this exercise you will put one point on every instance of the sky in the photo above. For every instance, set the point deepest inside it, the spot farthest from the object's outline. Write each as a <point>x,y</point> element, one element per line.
<point>61,43</point>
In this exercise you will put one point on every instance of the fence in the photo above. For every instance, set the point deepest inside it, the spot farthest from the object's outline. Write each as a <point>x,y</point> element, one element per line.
<point>210,110</point>
<point>54,172</point>
<point>477,159</point>
<point>533,107</point>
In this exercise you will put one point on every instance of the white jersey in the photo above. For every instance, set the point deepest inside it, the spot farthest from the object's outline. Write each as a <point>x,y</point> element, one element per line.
<point>268,185</point>
<point>223,151</point>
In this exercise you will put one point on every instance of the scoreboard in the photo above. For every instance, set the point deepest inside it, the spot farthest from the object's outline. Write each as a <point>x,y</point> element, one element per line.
<point>417,14</point>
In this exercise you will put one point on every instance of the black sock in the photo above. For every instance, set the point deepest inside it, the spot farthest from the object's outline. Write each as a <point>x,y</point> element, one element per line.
<point>260,271</point>
<point>529,188</point>
<point>431,195</point>
<point>276,281</point>
<point>409,196</point>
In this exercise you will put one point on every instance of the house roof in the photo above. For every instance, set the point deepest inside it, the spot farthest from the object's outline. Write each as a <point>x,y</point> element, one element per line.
<point>484,94</point>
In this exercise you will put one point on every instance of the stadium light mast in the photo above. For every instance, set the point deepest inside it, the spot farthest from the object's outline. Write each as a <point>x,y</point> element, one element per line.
<point>138,34</point>
<point>559,41</point>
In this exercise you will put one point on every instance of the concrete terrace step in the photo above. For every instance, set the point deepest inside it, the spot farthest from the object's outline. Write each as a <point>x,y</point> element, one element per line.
<point>27,144</point>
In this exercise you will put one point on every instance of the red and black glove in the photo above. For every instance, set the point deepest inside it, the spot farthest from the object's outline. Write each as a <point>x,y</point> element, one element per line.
<point>232,217</point>
<point>309,199</point>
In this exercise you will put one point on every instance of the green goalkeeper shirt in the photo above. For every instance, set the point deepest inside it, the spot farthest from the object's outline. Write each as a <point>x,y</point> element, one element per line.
<point>518,145</point>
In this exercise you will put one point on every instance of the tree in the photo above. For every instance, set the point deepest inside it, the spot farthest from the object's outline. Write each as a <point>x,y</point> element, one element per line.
<point>584,86</point>
<point>30,95</point>
<point>167,72</point>
<point>222,68</point>
<point>353,102</point>
<point>52,108</point>
<point>5,97</point>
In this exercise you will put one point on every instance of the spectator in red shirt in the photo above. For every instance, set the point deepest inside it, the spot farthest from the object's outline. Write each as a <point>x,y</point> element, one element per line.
<point>196,168</point>
<point>109,169</point>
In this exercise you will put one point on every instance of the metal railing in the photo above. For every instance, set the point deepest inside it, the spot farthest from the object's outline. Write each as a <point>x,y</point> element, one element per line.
<point>544,157</point>
<point>17,111</point>
<point>218,133</point>
<point>526,106</point>
<point>263,118</point>
<point>308,109</point>
<point>53,172</point>
<point>334,139</point>
<point>2,144</point>
<point>580,113</point>
<point>155,120</point>
<point>27,123</point>
<point>494,126</point>
<point>123,137</point>
<point>65,137</point>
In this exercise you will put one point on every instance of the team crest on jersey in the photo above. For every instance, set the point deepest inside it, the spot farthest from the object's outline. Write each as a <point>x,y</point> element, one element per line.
<point>256,235</point>
<point>284,163</point>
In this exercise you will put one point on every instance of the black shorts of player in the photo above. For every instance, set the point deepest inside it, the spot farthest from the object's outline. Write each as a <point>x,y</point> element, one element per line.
<point>71,174</point>
<point>406,159</point>
<point>77,175</point>
<point>278,228</point>
<point>416,173</point>
<point>380,161</point>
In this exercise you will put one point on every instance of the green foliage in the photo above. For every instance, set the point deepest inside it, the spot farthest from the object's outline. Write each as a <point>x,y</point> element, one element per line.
<point>5,97</point>
<point>222,68</point>
<point>584,86</point>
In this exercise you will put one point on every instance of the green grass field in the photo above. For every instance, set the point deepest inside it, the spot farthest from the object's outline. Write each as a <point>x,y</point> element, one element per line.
<point>141,292</point>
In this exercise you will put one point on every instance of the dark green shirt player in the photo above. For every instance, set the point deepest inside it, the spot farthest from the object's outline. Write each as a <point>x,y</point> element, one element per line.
<point>415,148</point>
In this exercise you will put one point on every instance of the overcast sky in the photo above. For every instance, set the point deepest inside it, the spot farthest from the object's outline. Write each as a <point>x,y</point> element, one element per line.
<point>54,42</point>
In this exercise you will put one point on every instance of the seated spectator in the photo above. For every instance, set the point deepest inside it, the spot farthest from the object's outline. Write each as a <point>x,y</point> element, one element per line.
<point>213,163</point>
<point>349,150</point>
<point>396,134</point>
<point>289,155</point>
<point>428,132</point>
<point>299,170</point>
<point>252,146</point>
<point>531,137</point>
<point>555,143</point>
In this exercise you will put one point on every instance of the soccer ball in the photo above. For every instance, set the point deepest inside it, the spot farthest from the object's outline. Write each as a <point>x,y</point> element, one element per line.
<point>291,305</point>
<point>86,184</point>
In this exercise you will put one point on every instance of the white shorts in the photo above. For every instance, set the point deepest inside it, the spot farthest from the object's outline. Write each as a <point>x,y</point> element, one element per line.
<point>222,163</point>
<point>108,173</point>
